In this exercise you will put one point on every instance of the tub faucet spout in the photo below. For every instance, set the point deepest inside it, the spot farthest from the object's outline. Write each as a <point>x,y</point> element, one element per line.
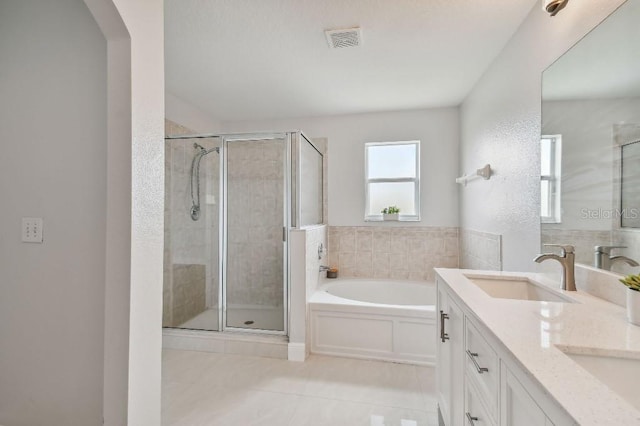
<point>324,268</point>
<point>567,260</point>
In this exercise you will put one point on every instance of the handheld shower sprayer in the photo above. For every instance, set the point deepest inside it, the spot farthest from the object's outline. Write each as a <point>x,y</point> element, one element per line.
<point>194,212</point>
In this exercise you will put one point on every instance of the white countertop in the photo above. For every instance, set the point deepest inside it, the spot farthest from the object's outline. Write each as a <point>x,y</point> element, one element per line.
<point>531,330</point>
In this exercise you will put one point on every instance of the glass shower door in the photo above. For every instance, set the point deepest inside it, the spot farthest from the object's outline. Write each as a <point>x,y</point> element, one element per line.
<point>257,217</point>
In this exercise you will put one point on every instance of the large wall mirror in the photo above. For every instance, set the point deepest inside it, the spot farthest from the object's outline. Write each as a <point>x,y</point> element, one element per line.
<point>590,145</point>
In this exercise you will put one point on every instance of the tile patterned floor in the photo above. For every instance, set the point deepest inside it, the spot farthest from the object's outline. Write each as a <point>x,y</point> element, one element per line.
<point>207,389</point>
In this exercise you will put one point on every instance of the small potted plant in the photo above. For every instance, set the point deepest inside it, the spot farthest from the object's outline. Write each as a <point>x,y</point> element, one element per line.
<point>390,213</point>
<point>633,298</point>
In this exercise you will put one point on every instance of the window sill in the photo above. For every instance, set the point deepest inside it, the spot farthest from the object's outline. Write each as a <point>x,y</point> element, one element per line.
<point>400,219</point>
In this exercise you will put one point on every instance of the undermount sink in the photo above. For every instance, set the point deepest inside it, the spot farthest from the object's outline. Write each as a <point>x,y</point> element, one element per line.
<point>519,288</point>
<point>618,374</point>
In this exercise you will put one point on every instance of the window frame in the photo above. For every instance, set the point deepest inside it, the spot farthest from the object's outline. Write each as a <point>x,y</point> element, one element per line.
<point>415,180</point>
<point>555,180</point>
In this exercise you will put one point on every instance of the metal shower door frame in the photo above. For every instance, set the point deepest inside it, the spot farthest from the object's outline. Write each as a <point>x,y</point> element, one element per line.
<point>223,216</point>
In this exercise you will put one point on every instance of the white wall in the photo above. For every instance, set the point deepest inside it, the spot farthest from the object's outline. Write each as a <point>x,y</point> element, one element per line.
<point>187,115</point>
<point>437,129</point>
<point>500,124</point>
<point>53,127</point>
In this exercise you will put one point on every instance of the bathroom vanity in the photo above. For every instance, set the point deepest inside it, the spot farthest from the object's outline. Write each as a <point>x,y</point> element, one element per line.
<point>512,350</point>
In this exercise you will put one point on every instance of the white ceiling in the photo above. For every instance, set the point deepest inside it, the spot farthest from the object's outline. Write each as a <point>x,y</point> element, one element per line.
<point>605,64</point>
<point>263,59</point>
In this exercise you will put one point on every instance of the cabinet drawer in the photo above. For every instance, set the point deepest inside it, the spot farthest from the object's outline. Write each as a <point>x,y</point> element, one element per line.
<point>482,366</point>
<point>475,413</point>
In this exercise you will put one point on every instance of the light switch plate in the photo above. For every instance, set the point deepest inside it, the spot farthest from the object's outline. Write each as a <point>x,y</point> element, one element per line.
<point>32,229</point>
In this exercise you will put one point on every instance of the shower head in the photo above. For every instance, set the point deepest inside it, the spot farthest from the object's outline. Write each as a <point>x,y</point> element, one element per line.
<point>205,151</point>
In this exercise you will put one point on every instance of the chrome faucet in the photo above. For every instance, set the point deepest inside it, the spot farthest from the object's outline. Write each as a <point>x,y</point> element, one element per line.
<point>567,259</point>
<point>324,268</point>
<point>604,260</point>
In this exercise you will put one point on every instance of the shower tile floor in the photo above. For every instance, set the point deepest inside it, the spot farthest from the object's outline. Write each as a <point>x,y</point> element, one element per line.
<point>200,388</point>
<point>264,318</point>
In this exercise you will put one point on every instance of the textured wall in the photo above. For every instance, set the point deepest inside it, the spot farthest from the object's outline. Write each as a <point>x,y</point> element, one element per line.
<point>189,116</point>
<point>392,252</point>
<point>500,125</point>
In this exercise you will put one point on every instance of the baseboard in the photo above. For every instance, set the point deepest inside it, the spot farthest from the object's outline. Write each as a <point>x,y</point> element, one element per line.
<point>229,343</point>
<point>297,352</point>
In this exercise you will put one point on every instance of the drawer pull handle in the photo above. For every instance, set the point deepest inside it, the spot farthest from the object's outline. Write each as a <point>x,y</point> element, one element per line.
<point>443,336</point>
<point>471,419</point>
<point>473,357</point>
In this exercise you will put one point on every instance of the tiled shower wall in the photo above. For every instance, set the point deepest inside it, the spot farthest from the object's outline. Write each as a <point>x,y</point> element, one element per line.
<point>255,223</point>
<point>392,251</point>
<point>188,292</point>
<point>480,250</point>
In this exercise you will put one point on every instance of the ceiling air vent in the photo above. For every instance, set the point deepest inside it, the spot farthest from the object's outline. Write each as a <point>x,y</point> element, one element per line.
<point>349,37</point>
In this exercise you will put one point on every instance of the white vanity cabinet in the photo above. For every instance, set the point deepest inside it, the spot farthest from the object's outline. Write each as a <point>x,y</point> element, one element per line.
<point>518,407</point>
<point>449,358</point>
<point>475,411</point>
<point>479,383</point>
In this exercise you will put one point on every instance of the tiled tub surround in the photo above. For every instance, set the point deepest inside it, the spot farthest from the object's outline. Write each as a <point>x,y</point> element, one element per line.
<point>480,250</point>
<point>537,335</point>
<point>396,252</point>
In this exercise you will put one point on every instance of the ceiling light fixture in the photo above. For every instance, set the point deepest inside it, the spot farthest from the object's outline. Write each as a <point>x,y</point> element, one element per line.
<point>553,6</point>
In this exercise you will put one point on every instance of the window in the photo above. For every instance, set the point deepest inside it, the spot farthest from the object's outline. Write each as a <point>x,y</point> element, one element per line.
<point>392,178</point>
<point>550,173</point>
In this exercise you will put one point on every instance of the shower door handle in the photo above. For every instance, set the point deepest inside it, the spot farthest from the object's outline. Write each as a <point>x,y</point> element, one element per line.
<point>284,234</point>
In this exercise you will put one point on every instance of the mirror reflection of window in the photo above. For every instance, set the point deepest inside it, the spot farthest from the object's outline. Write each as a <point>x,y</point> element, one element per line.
<point>392,179</point>
<point>550,178</point>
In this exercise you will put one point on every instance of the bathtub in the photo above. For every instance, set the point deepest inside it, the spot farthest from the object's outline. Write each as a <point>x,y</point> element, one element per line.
<point>375,319</point>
